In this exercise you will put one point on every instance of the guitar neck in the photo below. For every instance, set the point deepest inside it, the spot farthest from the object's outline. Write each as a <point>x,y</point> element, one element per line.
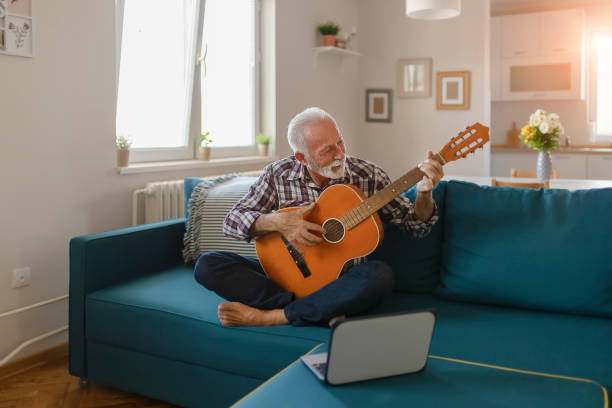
<point>368,207</point>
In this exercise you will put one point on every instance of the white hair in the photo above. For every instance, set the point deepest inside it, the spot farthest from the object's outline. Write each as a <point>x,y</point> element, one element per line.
<point>297,126</point>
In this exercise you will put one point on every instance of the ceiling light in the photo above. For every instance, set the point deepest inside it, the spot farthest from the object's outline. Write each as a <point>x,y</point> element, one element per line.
<point>433,9</point>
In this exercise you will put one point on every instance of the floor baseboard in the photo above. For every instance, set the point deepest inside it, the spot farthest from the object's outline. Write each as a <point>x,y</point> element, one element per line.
<point>35,360</point>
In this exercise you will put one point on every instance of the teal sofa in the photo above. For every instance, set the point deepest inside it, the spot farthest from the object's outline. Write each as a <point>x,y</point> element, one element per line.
<point>520,279</point>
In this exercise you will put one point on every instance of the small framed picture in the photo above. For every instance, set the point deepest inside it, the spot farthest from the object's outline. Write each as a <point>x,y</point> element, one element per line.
<point>16,27</point>
<point>414,78</point>
<point>379,105</point>
<point>453,90</point>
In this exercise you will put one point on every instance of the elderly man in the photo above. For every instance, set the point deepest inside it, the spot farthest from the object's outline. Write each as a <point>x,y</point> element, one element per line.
<point>319,160</point>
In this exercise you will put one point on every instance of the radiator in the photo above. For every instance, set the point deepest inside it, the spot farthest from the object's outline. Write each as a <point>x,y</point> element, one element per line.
<point>163,200</point>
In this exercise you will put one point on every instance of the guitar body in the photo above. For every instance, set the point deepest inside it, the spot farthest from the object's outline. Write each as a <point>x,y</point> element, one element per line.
<point>325,260</point>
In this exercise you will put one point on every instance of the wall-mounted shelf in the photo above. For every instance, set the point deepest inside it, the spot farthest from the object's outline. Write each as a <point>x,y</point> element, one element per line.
<point>333,51</point>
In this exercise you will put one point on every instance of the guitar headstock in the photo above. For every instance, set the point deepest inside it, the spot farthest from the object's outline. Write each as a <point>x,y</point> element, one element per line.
<point>467,141</point>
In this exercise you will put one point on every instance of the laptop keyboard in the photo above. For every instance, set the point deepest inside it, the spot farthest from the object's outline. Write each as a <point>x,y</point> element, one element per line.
<point>320,367</point>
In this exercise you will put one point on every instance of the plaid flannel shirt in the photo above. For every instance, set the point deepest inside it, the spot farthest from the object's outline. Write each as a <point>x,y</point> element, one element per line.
<point>285,183</point>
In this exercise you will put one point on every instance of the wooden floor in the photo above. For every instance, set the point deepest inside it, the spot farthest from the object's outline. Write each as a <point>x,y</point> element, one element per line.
<point>50,385</point>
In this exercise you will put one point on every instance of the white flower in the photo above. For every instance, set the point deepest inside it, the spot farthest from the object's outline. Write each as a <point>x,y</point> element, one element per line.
<point>540,112</point>
<point>561,129</point>
<point>553,120</point>
<point>544,127</point>
<point>535,120</point>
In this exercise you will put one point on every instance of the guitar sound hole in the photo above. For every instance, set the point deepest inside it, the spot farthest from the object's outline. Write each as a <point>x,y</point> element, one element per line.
<point>334,230</point>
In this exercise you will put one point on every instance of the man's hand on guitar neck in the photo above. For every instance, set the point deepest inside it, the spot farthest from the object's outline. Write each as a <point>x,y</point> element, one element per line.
<point>424,204</point>
<point>292,225</point>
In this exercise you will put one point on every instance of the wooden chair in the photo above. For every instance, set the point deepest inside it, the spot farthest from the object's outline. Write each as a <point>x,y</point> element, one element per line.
<point>531,174</point>
<point>536,185</point>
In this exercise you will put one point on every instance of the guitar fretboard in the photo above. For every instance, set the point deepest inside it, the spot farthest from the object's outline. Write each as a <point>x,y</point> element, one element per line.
<point>366,208</point>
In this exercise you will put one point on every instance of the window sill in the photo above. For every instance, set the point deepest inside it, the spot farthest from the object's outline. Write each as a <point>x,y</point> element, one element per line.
<point>150,167</point>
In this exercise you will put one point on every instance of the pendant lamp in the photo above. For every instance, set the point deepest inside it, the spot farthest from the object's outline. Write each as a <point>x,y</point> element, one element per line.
<point>433,9</point>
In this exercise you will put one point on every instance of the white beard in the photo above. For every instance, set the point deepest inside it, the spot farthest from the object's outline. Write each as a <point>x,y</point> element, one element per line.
<point>327,171</point>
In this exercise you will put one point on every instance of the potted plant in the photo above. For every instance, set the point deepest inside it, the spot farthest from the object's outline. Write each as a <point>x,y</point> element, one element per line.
<point>204,150</point>
<point>123,150</point>
<point>329,31</point>
<point>542,134</point>
<point>263,141</point>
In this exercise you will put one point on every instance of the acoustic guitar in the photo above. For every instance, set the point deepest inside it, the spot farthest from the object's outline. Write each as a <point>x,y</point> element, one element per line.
<point>352,226</point>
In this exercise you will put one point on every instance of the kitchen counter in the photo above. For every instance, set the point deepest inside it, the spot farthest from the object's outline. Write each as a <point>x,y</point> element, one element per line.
<point>562,150</point>
<point>568,184</point>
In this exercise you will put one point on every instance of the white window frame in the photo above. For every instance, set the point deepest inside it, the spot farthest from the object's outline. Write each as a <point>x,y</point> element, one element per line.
<point>592,100</point>
<point>190,151</point>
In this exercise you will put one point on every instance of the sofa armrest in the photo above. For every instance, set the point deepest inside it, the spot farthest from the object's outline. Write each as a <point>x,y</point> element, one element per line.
<point>109,258</point>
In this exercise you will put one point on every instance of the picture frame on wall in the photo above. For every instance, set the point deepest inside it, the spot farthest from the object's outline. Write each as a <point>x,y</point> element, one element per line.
<point>379,105</point>
<point>16,28</point>
<point>453,90</point>
<point>414,78</point>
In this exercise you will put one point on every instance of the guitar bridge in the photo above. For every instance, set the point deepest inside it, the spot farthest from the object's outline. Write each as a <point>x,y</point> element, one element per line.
<point>297,258</point>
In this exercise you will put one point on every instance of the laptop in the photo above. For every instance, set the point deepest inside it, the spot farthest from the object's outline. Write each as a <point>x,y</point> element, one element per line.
<point>374,347</point>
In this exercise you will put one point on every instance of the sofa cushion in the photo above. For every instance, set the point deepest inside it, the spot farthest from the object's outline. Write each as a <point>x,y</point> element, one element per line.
<point>415,261</point>
<point>553,343</point>
<point>538,249</point>
<point>170,315</point>
<point>209,203</point>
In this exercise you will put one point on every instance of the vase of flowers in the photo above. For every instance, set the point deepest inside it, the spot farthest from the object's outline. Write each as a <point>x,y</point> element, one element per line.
<point>542,133</point>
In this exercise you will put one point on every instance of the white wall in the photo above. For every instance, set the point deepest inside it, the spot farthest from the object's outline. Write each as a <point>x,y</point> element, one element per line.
<point>299,84</point>
<point>459,44</point>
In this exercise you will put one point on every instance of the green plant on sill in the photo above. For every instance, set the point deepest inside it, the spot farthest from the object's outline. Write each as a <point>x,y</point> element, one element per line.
<point>205,140</point>
<point>262,139</point>
<point>123,142</point>
<point>329,28</point>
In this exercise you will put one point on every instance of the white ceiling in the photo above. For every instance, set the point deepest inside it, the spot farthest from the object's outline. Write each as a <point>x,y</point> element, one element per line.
<point>523,6</point>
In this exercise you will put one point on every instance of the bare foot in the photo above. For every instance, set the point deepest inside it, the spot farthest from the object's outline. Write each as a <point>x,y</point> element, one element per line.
<point>239,314</point>
<point>336,319</point>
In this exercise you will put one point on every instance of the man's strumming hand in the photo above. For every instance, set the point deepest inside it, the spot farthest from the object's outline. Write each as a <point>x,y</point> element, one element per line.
<point>296,229</point>
<point>292,225</point>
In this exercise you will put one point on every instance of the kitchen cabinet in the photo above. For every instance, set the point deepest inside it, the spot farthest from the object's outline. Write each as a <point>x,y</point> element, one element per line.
<point>520,35</point>
<point>561,31</point>
<point>545,33</point>
<point>540,56</point>
<point>599,167</point>
<point>571,166</point>
<point>501,163</point>
<point>572,163</point>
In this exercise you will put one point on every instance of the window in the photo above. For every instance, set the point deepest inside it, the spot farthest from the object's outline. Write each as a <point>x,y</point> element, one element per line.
<point>187,67</point>
<point>601,86</point>
<point>229,73</point>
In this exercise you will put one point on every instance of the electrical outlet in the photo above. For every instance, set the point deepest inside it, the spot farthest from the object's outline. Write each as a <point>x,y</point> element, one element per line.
<point>21,277</point>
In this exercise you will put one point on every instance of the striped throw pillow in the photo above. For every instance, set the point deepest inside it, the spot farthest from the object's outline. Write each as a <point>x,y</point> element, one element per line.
<point>210,202</point>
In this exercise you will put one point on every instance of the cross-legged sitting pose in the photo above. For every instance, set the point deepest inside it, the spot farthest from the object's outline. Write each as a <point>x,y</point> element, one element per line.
<point>319,161</point>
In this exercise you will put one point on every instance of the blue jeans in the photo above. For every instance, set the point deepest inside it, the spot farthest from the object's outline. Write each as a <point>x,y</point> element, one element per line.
<point>240,279</point>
